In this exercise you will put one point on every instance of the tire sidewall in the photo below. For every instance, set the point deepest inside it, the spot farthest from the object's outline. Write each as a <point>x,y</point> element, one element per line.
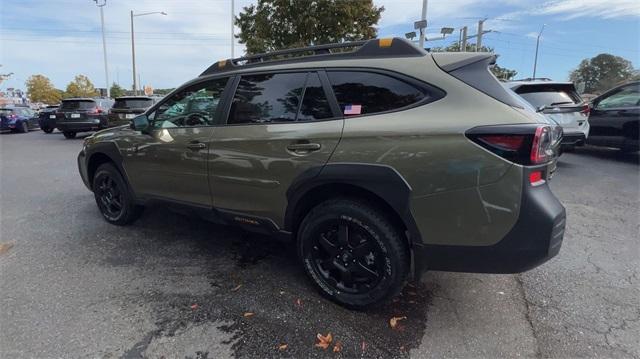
<point>393,272</point>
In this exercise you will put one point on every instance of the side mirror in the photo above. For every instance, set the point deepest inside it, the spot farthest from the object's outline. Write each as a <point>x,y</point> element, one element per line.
<point>140,123</point>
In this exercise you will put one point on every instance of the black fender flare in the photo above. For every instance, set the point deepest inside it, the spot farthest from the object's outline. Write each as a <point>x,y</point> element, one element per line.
<point>109,149</point>
<point>381,180</point>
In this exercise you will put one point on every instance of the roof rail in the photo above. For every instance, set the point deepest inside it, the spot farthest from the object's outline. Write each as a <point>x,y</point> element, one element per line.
<point>360,49</point>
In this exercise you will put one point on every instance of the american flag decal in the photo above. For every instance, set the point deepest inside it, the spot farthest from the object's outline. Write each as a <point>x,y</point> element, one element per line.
<point>353,109</point>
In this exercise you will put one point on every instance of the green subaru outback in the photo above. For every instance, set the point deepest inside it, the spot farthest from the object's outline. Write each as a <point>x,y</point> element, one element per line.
<point>376,159</point>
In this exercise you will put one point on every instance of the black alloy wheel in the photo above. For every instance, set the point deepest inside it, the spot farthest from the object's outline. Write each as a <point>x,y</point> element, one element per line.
<point>110,198</point>
<point>114,199</point>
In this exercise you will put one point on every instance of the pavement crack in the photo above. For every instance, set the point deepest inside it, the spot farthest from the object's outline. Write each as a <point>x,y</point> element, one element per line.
<point>528,315</point>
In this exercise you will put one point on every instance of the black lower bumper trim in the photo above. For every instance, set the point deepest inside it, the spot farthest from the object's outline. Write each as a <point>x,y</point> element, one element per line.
<point>535,238</point>
<point>573,139</point>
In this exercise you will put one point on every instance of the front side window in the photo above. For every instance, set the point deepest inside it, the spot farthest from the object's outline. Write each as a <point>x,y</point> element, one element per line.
<point>193,106</point>
<point>360,93</point>
<point>627,97</point>
<point>267,98</point>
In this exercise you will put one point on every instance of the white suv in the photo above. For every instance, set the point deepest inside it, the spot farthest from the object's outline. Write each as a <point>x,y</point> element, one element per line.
<point>559,102</point>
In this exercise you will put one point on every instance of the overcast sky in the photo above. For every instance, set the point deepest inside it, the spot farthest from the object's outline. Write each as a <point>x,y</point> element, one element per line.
<point>61,38</point>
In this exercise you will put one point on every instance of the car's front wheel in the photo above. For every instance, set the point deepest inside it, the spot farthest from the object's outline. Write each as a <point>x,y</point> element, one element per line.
<point>113,197</point>
<point>24,127</point>
<point>69,134</point>
<point>352,251</point>
<point>47,129</point>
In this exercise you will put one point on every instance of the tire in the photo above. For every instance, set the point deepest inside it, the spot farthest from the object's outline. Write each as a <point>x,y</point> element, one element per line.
<point>374,247</point>
<point>69,134</point>
<point>24,127</point>
<point>47,129</point>
<point>113,197</point>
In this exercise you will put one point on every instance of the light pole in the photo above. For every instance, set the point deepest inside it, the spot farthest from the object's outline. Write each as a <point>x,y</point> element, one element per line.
<point>424,20</point>
<point>133,46</point>
<point>101,4</point>
<point>233,18</point>
<point>535,61</point>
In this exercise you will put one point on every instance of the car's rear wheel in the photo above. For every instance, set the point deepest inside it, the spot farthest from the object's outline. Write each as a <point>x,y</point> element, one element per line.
<point>69,134</point>
<point>114,199</point>
<point>353,252</point>
<point>47,129</point>
<point>24,128</point>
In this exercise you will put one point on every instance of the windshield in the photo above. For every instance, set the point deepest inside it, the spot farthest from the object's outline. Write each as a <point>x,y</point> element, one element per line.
<point>547,95</point>
<point>77,105</point>
<point>133,103</point>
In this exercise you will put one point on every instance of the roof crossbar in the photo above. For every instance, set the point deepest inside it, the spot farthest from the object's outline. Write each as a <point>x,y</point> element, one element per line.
<point>390,47</point>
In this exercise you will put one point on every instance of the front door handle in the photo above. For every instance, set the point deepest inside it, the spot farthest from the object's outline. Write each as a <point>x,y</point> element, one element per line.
<point>196,146</point>
<point>303,147</point>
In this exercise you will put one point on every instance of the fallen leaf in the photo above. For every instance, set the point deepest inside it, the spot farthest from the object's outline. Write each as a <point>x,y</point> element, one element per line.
<point>248,314</point>
<point>363,346</point>
<point>4,247</point>
<point>337,348</point>
<point>281,292</point>
<point>402,348</point>
<point>236,287</point>
<point>299,302</point>
<point>282,347</point>
<point>393,322</point>
<point>194,306</point>
<point>324,341</point>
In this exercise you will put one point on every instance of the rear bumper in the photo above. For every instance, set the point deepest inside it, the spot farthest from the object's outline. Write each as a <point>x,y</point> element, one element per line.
<point>534,239</point>
<point>80,126</point>
<point>573,139</point>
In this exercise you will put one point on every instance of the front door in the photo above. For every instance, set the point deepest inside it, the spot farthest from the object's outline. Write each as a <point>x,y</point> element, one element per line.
<point>278,126</point>
<point>171,161</point>
<point>615,117</point>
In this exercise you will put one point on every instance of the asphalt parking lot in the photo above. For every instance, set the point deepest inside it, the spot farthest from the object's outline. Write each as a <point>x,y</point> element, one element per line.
<point>171,286</point>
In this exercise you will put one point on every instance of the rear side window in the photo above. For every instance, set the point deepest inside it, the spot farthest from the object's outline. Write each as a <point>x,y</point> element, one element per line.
<point>77,105</point>
<point>549,95</point>
<point>129,103</point>
<point>360,93</point>
<point>267,98</point>
<point>626,97</point>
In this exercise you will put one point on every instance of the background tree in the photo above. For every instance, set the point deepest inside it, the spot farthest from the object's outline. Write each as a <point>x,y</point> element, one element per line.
<point>116,90</point>
<point>40,89</point>
<point>602,72</point>
<point>5,76</point>
<point>280,24</point>
<point>81,86</point>
<point>502,73</point>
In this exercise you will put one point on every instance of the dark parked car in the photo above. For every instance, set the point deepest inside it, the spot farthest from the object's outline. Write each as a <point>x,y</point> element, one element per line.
<point>47,118</point>
<point>82,115</point>
<point>615,116</point>
<point>17,119</point>
<point>127,107</point>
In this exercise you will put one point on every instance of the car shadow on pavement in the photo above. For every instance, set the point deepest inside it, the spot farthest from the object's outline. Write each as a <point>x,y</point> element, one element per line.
<point>606,153</point>
<point>207,274</point>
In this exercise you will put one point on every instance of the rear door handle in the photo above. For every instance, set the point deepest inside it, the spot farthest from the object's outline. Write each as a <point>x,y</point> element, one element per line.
<point>300,147</point>
<point>196,146</point>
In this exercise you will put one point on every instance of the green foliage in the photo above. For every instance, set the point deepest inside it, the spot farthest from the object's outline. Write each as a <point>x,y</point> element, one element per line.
<point>116,90</point>
<point>603,72</point>
<point>5,76</point>
<point>81,86</point>
<point>502,73</point>
<point>40,89</point>
<point>280,24</point>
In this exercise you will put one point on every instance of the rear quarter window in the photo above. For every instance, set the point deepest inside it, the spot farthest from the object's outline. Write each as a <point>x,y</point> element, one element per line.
<point>361,92</point>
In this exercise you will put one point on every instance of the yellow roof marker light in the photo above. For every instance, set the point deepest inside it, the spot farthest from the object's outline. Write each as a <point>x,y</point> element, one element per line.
<point>221,63</point>
<point>385,42</point>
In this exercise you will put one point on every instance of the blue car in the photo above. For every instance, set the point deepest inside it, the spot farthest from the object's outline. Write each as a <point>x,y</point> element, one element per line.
<point>17,119</point>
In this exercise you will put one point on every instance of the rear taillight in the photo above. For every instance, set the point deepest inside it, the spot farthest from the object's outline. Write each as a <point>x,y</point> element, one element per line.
<point>586,110</point>
<point>524,144</point>
<point>95,111</point>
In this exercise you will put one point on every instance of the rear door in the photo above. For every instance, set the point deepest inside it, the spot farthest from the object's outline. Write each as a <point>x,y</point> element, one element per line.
<point>170,162</point>
<point>279,125</point>
<point>615,116</point>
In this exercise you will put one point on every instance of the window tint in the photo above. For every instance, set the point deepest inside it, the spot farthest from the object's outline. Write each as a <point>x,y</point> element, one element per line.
<point>365,92</point>
<point>267,98</point>
<point>627,97</point>
<point>193,106</point>
<point>315,105</point>
<point>77,105</point>
<point>127,103</point>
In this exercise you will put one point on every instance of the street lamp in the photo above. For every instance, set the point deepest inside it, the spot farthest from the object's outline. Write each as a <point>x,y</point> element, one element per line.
<point>535,61</point>
<point>101,4</point>
<point>133,46</point>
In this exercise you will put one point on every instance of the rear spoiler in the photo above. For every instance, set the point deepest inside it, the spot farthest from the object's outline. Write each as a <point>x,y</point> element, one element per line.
<point>472,68</point>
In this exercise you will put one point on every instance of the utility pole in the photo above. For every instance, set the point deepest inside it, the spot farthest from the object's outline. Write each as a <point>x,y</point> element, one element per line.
<point>463,48</point>
<point>101,5</point>
<point>480,32</point>
<point>535,61</point>
<point>233,18</point>
<point>424,18</point>
<point>133,57</point>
